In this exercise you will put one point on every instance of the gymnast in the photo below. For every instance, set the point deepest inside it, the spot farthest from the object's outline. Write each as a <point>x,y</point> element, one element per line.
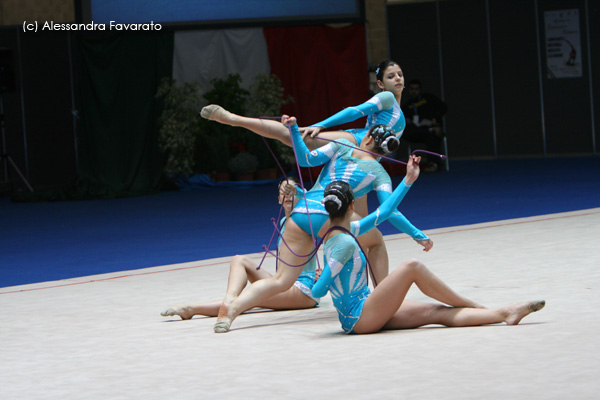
<point>362,311</point>
<point>341,161</point>
<point>381,109</point>
<point>243,270</point>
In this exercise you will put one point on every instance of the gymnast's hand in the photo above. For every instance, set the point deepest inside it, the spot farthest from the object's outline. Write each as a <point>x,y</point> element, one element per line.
<point>427,244</point>
<point>412,169</point>
<point>287,120</point>
<point>311,131</point>
<point>318,274</point>
<point>286,190</point>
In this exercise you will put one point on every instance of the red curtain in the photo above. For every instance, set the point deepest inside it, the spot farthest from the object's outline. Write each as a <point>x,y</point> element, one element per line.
<point>323,68</point>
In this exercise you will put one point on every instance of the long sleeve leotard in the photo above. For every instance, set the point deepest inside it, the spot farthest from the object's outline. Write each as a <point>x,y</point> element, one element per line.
<point>362,175</point>
<point>379,109</point>
<point>345,273</point>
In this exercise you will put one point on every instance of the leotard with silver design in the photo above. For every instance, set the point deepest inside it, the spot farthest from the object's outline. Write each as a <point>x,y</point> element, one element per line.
<point>379,109</point>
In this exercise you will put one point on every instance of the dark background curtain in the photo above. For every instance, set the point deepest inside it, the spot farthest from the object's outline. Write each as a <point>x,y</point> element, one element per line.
<point>323,68</point>
<point>118,79</point>
<point>501,102</point>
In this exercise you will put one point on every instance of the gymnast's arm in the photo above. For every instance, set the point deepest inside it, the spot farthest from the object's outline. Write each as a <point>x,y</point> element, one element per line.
<point>381,101</point>
<point>307,158</point>
<point>400,221</point>
<point>338,257</point>
<point>322,286</point>
<point>385,210</point>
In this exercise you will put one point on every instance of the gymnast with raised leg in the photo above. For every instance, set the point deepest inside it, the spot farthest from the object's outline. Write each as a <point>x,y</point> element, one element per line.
<point>243,270</point>
<point>362,311</point>
<point>381,109</point>
<point>360,168</point>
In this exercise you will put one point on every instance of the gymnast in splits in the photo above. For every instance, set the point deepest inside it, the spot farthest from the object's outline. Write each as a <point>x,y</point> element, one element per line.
<point>243,270</point>
<point>341,160</point>
<point>362,311</point>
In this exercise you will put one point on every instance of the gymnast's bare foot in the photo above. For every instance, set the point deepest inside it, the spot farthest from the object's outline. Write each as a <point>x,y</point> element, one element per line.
<point>519,311</point>
<point>223,319</point>
<point>217,113</point>
<point>185,312</point>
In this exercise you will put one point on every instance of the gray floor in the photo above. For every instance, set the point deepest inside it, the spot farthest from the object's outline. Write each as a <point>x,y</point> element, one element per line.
<point>101,337</point>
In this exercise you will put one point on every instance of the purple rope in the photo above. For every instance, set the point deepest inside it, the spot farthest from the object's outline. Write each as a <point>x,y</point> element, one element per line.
<point>271,241</point>
<point>305,200</point>
<point>367,151</point>
<point>267,248</point>
<point>275,157</point>
<point>312,233</point>
<point>380,156</point>
<point>309,255</point>
<point>301,184</point>
<point>313,253</point>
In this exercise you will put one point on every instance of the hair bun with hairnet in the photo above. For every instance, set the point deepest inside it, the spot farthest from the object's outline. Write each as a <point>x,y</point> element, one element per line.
<point>385,138</point>
<point>333,198</point>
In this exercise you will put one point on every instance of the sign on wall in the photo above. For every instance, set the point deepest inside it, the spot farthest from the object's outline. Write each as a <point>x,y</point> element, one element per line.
<point>563,44</point>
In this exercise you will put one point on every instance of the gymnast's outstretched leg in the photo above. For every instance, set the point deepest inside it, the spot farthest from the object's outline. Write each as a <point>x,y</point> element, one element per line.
<point>268,128</point>
<point>241,271</point>
<point>413,314</point>
<point>385,307</point>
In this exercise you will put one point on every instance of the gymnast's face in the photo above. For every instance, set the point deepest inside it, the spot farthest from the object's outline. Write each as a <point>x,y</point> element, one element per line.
<point>393,79</point>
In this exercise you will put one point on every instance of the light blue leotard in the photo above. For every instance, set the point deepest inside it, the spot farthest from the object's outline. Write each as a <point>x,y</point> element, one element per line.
<point>345,272</point>
<point>362,176</point>
<point>306,280</point>
<point>380,109</point>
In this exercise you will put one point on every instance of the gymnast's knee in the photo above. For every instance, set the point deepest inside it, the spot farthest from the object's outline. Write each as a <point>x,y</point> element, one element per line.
<point>377,238</point>
<point>241,260</point>
<point>238,259</point>
<point>372,239</point>
<point>412,265</point>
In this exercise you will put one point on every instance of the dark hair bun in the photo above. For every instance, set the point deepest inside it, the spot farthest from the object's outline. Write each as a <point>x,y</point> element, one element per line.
<point>385,139</point>
<point>338,196</point>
